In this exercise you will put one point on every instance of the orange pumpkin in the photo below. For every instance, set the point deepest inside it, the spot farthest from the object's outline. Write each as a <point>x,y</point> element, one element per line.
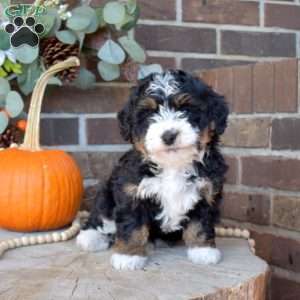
<point>40,189</point>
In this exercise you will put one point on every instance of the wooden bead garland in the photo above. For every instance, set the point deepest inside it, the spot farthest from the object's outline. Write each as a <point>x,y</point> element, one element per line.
<point>71,232</point>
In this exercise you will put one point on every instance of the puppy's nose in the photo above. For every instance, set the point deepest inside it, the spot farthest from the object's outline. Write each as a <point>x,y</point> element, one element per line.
<point>169,136</point>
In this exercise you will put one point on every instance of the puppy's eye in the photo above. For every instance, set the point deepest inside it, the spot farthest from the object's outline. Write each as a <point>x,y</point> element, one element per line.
<point>148,104</point>
<point>182,100</point>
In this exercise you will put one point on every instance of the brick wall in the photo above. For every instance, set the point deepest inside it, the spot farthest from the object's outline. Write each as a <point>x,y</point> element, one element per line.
<point>261,144</point>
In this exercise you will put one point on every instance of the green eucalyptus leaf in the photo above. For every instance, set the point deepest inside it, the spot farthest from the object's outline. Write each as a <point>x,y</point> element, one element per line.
<point>114,12</point>
<point>146,70</point>
<point>132,20</point>
<point>14,104</point>
<point>28,78</point>
<point>55,81</point>
<point>108,71</point>
<point>48,21</point>
<point>4,40</point>
<point>94,23</point>
<point>80,36</point>
<point>3,122</point>
<point>4,89</point>
<point>111,53</point>
<point>99,14</point>
<point>66,37</point>
<point>131,6</point>
<point>135,51</point>
<point>85,79</point>
<point>81,18</point>
<point>26,54</point>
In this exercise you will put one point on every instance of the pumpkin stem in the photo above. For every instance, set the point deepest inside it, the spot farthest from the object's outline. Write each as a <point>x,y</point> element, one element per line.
<point>32,134</point>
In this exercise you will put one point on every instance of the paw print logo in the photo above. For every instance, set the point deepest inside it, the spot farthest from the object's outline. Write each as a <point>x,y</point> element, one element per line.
<point>24,32</point>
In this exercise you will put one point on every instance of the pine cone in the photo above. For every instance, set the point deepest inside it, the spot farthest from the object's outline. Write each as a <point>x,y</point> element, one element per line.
<point>54,51</point>
<point>12,135</point>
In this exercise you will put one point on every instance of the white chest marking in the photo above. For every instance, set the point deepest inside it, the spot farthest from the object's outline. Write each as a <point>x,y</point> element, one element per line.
<point>175,193</point>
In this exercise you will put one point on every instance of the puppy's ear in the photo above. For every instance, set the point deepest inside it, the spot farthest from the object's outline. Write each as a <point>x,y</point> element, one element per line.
<point>218,112</point>
<point>125,121</point>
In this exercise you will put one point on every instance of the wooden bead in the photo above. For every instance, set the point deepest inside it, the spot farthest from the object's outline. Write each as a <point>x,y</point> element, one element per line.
<point>64,236</point>
<point>40,239</point>
<point>32,240</point>
<point>48,238</point>
<point>251,243</point>
<point>237,232</point>
<point>18,242</point>
<point>56,237</point>
<point>229,232</point>
<point>25,241</point>
<point>222,231</point>
<point>246,234</point>
<point>11,244</point>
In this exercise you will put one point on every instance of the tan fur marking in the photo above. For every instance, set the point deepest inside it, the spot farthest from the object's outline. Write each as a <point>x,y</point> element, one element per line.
<point>182,99</point>
<point>193,236</point>
<point>149,103</point>
<point>205,136</point>
<point>136,245</point>
<point>130,189</point>
<point>207,192</point>
<point>140,146</point>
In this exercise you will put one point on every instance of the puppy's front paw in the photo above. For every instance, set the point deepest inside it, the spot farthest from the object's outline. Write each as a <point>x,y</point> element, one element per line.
<point>204,255</point>
<point>92,240</point>
<point>128,262</point>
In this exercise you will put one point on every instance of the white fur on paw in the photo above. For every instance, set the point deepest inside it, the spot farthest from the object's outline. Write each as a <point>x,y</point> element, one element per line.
<point>204,255</point>
<point>92,240</point>
<point>127,262</point>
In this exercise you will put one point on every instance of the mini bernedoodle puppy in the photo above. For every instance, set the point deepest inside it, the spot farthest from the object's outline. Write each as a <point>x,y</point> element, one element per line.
<point>169,186</point>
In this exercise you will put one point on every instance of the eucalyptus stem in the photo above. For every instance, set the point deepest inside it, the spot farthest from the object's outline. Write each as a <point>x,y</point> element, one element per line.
<point>32,134</point>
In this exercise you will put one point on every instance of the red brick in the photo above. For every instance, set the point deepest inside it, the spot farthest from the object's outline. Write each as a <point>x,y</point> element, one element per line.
<point>275,172</point>
<point>158,10</point>
<point>263,87</point>
<point>59,131</point>
<point>210,77</point>
<point>283,16</point>
<point>98,129</point>
<point>99,99</point>
<point>252,132</point>
<point>286,212</point>
<point>97,164</point>
<point>165,62</point>
<point>285,133</point>
<point>286,85</point>
<point>284,289</point>
<point>232,173</point>
<point>224,84</point>
<point>253,208</point>
<point>194,64</point>
<point>176,38</point>
<point>278,251</point>
<point>221,12</point>
<point>258,43</point>
<point>242,89</point>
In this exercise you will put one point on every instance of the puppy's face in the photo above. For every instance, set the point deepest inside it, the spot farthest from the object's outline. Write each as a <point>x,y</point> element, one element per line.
<point>170,117</point>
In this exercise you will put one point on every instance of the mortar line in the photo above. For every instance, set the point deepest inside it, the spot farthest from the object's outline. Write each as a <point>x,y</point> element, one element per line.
<point>261,13</point>
<point>178,11</point>
<point>160,53</point>
<point>245,189</point>
<point>82,132</point>
<point>218,41</point>
<point>222,27</point>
